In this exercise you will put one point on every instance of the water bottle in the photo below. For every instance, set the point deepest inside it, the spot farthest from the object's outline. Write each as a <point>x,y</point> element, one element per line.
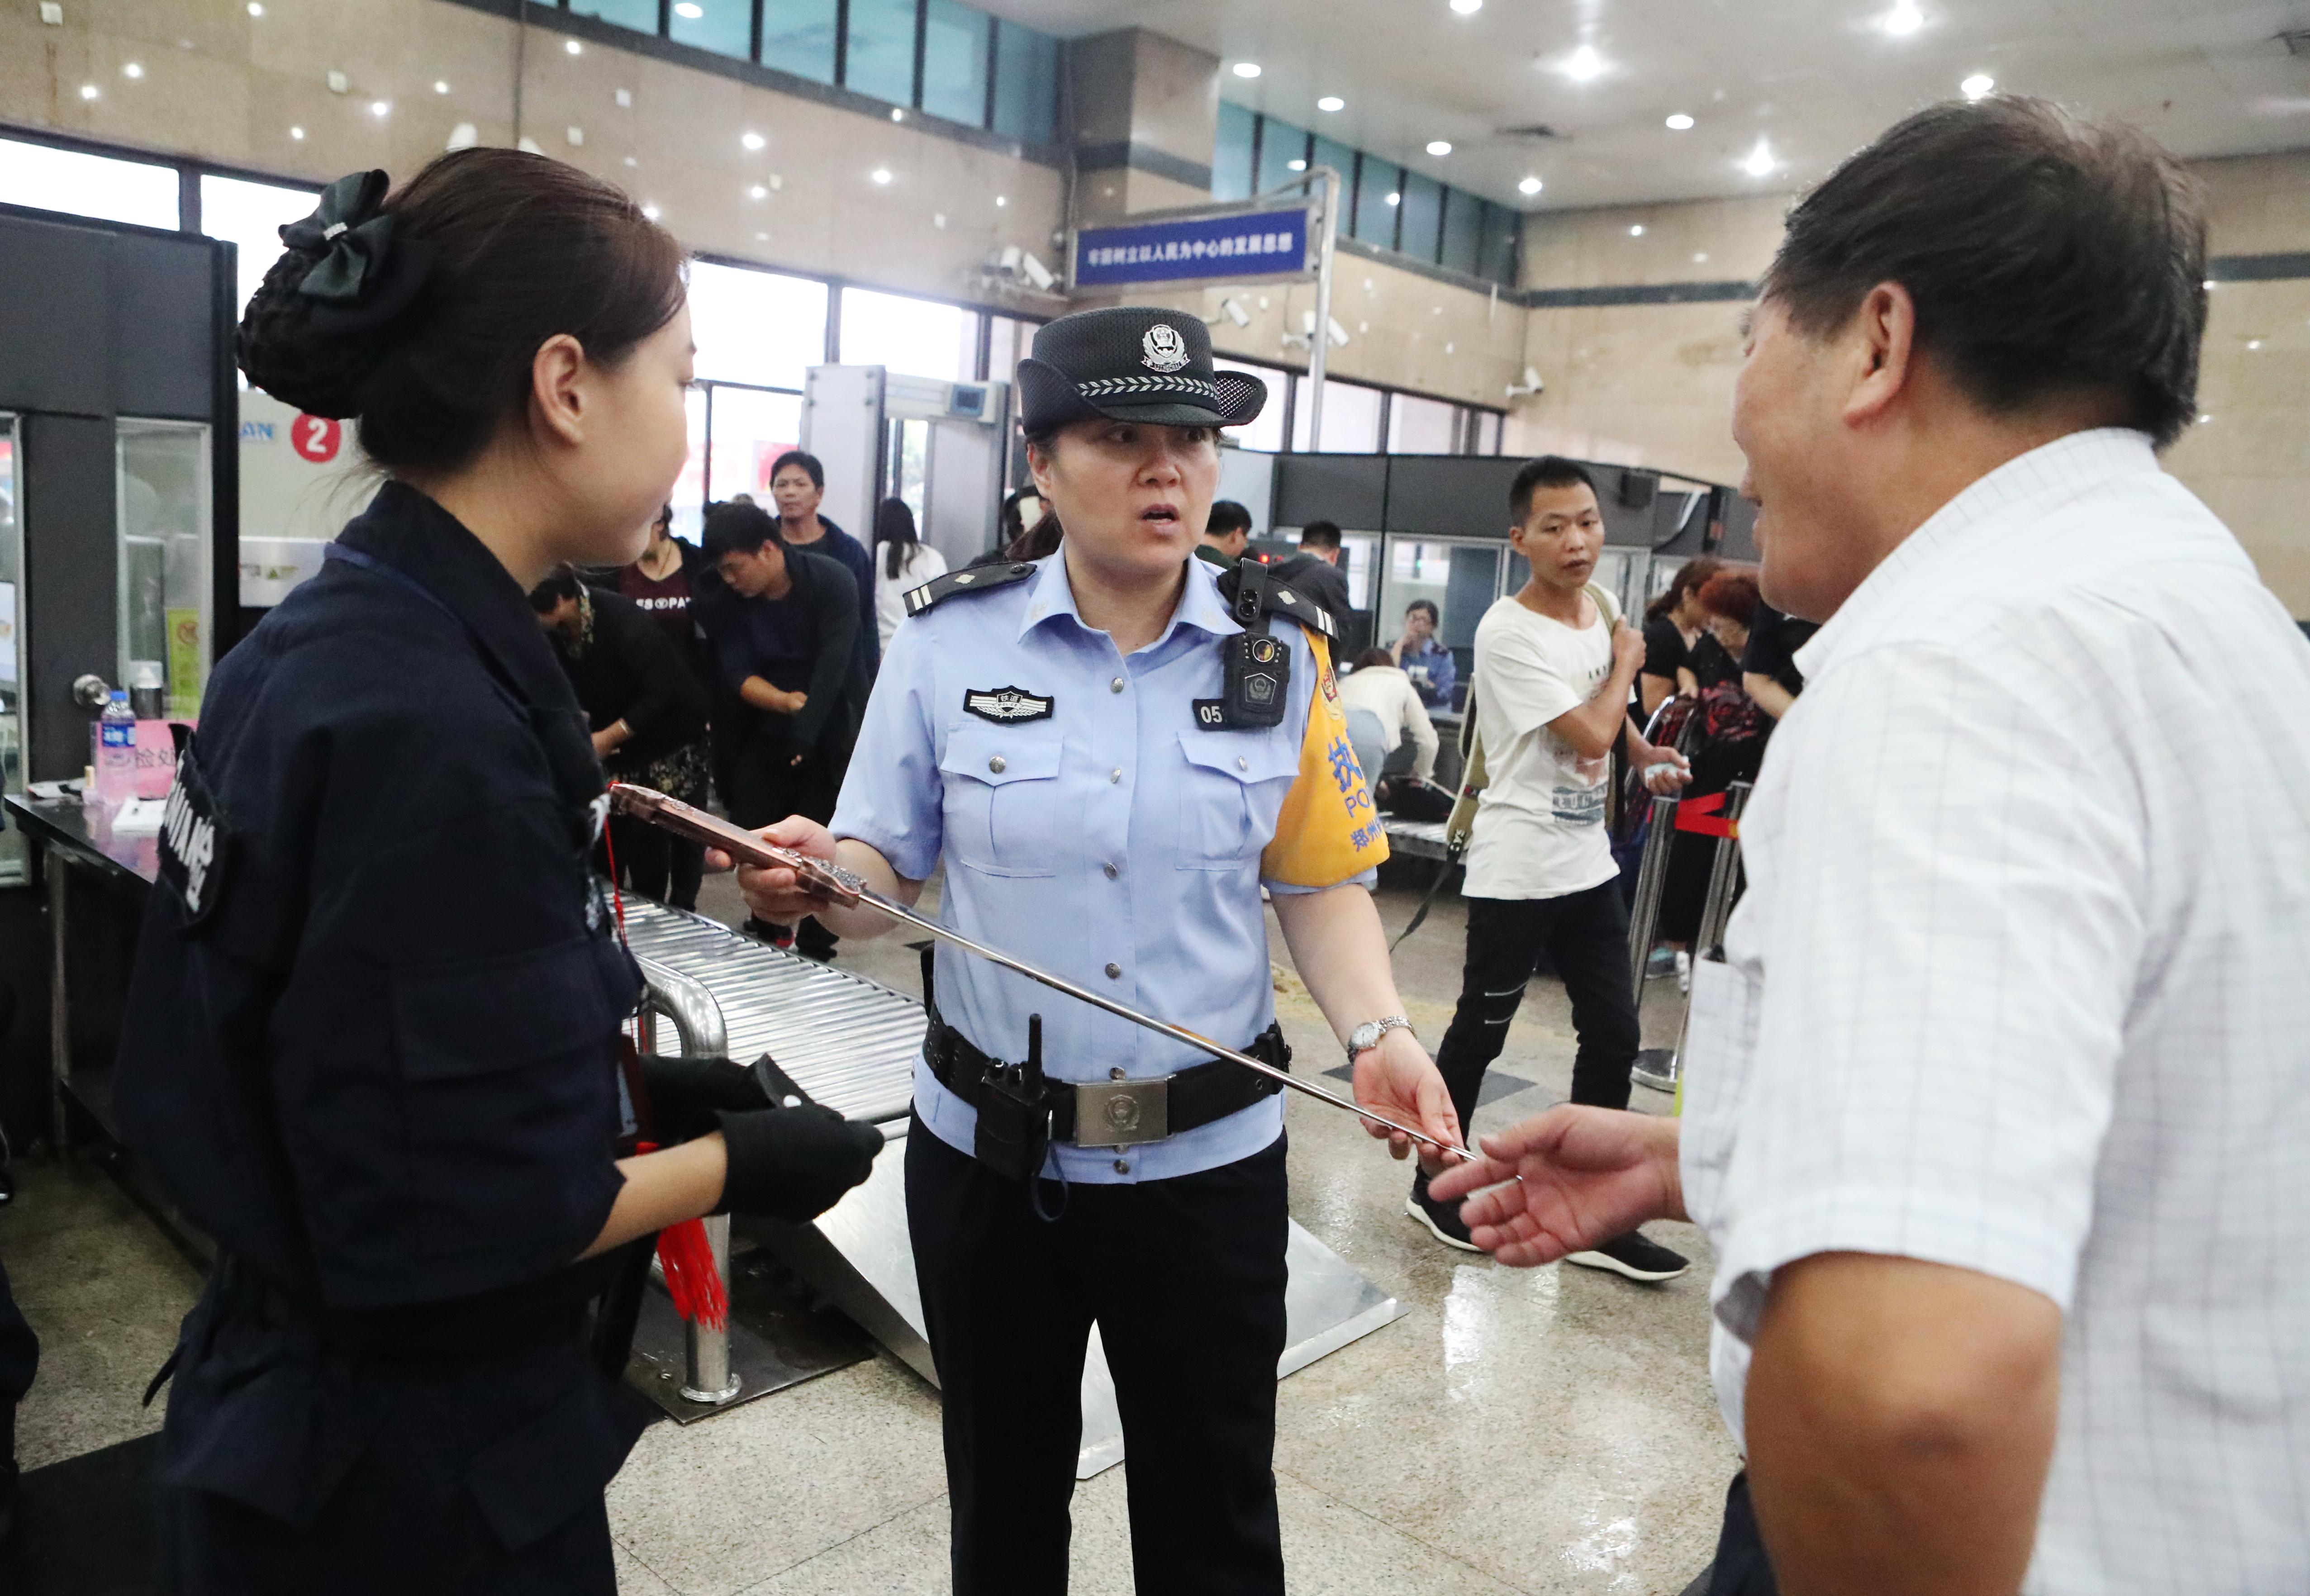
<point>115,752</point>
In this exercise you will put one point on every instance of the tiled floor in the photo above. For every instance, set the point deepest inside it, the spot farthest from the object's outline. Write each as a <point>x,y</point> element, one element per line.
<point>1547,1430</point>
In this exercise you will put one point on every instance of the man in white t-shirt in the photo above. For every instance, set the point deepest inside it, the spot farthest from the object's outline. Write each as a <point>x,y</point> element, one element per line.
<point>1554,665</point>
<point>1998,1110</point>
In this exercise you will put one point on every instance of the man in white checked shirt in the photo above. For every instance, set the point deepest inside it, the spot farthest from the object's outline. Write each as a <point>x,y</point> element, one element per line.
<point>1998,1113</point>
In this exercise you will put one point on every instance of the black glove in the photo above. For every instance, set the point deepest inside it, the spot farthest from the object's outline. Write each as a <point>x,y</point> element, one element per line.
<point>684,1093</point>
<point>793,1164</point>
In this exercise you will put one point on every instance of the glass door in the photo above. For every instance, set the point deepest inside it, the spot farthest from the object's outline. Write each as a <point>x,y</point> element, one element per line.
<point>1460,576</point>
<point>15,868</point>
<point>165,584</point>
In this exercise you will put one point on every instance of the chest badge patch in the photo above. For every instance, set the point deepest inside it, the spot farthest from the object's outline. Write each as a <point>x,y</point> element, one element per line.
<point>1006,706</point>
<point>192,851</point>
<point>1162,348</point>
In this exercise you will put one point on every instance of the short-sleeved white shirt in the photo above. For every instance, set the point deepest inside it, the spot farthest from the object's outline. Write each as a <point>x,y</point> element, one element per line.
<point>2021,984</point>
<point>1539,825</point>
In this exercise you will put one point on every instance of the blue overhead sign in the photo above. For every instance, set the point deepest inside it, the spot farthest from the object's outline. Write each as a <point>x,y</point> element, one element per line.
<point>1193,249</point>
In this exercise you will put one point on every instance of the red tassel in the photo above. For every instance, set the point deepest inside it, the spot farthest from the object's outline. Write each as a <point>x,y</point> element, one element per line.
<point>690,1278</point>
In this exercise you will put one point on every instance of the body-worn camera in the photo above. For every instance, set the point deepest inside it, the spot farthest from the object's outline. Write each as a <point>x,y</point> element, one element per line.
<point>1256,669</point>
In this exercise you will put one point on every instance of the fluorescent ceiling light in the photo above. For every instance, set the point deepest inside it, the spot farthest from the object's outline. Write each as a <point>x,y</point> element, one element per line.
<point>1636,232</point>
<point>379,107</point>
<point>89,90</point>
<point>1530,185</point>
<point>1247,69</point>
<point>1296,166</point>
<point>1331,102</point>
<point>133,70</point>
<point>439,87</point>
<point>1904,18</point>
<point>297,132</point>
<point>758,192</point>
<point>1584,64</point>
<point>255,8</point>
<point>1761,161</point>
<point>1680,122</point>
<point>1977,85</point>
<point>880,174</point>
<point>573,47</point>
<point>1467,8</point>
<point>752,141</point>
<point>1439,146</point>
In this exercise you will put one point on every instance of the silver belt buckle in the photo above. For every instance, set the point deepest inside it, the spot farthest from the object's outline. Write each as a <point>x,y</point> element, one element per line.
<point>1122,1113</point>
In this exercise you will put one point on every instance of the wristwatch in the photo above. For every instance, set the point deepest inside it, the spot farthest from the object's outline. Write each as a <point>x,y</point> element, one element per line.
<point>1366,1037</point>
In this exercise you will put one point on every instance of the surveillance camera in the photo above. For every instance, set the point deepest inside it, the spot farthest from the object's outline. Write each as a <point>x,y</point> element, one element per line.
<point>1531,378</point>
<point>1009,259</point>
<point>1530,386</point>
<point>1232,308</point>
<point>1038,273</point>
<point>1339,334</point>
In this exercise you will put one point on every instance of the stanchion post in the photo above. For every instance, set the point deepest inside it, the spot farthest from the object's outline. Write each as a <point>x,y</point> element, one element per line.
<point>1723,873</point>
<point>1652,878</point>
<point>697,1022</point>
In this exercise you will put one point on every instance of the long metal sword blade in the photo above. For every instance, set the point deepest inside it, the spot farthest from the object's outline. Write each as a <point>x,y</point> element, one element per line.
<point>847,889</point>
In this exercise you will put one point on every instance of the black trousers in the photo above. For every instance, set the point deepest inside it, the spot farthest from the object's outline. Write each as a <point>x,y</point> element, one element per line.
<point>766,785</point>
<point>654,863</point>
<point>19,1358</point>
<point>1185,1279</point>
<point>1586,936</point>
<point>1742,1568</point>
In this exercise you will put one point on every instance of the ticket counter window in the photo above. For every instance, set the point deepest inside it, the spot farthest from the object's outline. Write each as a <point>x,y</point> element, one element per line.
<point>1461,578</point>
<point>165,582</point>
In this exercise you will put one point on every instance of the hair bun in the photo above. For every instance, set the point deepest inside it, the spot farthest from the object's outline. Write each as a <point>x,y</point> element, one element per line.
<point>281,351</point>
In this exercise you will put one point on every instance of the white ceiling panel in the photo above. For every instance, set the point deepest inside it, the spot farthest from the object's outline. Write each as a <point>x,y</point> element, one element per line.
<point>1813,79</point>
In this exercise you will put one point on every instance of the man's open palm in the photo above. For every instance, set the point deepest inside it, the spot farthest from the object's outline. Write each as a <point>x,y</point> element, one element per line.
<point>1575,1176</point>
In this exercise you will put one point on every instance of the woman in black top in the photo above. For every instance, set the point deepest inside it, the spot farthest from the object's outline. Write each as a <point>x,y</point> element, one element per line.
<point>1672,624</point>
<point>370,1045</point>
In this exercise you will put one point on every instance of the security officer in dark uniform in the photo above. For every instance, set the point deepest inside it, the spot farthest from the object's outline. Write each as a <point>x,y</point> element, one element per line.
<point>371,1039</point>
<point>1113,749</point>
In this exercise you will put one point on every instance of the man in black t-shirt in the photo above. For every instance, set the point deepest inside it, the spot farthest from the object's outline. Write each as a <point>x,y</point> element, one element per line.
<point>1768,668</point>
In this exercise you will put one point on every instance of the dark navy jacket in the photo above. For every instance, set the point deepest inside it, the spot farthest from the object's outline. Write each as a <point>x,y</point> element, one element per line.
<point>370,1044</point>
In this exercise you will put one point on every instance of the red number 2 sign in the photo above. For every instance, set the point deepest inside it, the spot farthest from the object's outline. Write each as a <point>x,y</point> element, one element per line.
<point>316,437</point>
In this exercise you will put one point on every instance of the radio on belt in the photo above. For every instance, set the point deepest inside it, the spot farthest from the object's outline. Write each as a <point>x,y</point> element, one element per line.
<point>1256,669</point>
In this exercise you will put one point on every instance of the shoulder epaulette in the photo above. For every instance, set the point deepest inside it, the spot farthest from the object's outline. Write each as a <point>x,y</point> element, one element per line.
<point>977,578</point>
<point>1283,599</point>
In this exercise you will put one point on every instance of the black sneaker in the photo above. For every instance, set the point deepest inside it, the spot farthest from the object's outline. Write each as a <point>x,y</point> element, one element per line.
<point>1633,1255</point>
<point>1442,1219</point>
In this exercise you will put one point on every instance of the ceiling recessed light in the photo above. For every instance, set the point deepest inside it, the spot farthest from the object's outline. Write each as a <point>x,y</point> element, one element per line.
<point>1247,69</point>
<point>379,107</point>
<point>439,87</point>
<point>758,192</point>
<point>1680,122</point>
<point>1296,166</point>
<point>652,211</point>
<point>1530,185</point>
<point>1331,102</point>
<point>1904,18</point>
<point>897,114</point>
<point>752,141</point>
<point>1637,231</point>
<point>1001,200</point>
<point>297,132</point>
<point>688,11</point>
<point>1396,199</point>
<point>133,70</point>
<point>880,174</point>
<point>573,47</point>
<point>1584,64</point>
<point>1977,85</point>
<point>2203,418</point>
<point>255,9</point>
<point>1759,162</point>
<point>1467,8</point>
<point>1439,146</point>
<point>761,237</point>
<point>1700,260</point>
<point>2253,344</point>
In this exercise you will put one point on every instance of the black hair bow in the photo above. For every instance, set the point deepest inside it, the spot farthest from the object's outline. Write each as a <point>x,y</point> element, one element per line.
<point>363,273</point>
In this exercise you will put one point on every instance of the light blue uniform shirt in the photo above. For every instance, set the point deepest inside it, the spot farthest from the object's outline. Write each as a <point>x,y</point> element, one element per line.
<point>1114,843</point>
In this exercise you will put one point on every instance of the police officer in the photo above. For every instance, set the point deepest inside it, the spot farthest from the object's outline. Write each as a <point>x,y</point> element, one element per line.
<point>372,1038</point>
<point>1112,750</point>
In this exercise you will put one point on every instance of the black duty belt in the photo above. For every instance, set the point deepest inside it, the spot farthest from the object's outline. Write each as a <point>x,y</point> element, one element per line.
<point>1117,1112</point>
